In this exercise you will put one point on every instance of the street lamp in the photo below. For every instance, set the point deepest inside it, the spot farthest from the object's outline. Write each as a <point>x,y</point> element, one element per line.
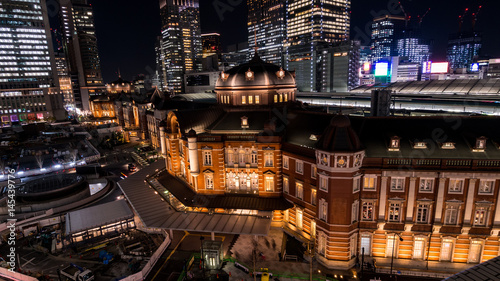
<point>393,245</point>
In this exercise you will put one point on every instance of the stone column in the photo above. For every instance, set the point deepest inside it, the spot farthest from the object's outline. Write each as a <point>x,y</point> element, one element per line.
<point>469,205</point>
<point>383,199</point>
<point>440,200</point>
<point>163,141</point>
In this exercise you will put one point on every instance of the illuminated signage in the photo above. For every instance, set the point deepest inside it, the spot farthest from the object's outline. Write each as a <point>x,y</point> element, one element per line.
<point>366,66</point>
<point>439,67</point>
<point>474,67</point>
<point>426,68</point>
<point>381,69</point>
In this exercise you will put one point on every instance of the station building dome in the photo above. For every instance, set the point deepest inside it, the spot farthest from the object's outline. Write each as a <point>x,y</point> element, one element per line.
<point>256,83</point>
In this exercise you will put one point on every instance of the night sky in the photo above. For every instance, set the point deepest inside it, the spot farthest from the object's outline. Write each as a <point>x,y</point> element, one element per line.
<point>126,30</point>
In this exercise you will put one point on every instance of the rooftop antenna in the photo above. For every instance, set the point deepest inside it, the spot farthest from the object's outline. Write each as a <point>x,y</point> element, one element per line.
<point>119,74</point>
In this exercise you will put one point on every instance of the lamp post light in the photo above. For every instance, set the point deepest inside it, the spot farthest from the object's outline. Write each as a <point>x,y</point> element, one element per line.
<point>393,246</point>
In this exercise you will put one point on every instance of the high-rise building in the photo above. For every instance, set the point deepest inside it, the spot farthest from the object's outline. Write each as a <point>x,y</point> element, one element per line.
<point>312,25</point>
<point>266,29</point>
<point>386,31</point>
<point>310,21</point>
<point>80,41</point>
<point>65,84</point>
<point>463,49</point>
<point>159,79</point>
<point>414,49</point>
<point>181,40</point>
<point>28,82</point>
<point>212,51</point>
<point>211,45</point>
<point>339,67</point>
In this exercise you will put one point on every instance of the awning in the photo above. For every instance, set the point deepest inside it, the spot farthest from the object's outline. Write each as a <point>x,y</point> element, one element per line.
<point>188,197</point>
<point>96,216</point>
<point>156,213</point>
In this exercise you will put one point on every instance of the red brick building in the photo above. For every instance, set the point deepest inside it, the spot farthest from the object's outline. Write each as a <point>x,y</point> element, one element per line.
<point>421,189</point>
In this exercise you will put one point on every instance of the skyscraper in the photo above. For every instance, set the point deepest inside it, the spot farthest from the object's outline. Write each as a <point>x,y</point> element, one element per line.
<point>463,49</point>
<point>386,31</point>
<point>80,43</point>
<point>311,25</point>
<point>181,40</point>
<point>28,82</point>
<point>266,29</point>
<point>28,59</point>
<point>311,21</point>
<point>414,49</point>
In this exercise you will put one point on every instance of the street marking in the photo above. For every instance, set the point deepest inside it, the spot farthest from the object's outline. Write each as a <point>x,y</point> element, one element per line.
<point>171,253</point>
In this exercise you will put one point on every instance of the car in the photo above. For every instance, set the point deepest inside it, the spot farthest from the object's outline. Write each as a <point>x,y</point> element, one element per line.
<point>132,167</point>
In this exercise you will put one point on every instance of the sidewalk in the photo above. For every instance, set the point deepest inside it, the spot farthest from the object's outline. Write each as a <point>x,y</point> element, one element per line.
<point>270,246</point>
<point>420,268</point>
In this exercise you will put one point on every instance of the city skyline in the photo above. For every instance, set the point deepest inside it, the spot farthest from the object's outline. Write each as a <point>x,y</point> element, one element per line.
<point>128,21</point>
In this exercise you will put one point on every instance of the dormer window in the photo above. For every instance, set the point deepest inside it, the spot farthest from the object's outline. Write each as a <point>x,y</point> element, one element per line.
<point>395,144</point>
<point>448,145</point>
<point>244,122</point>
<point>480,144</point>
<point>420,145</point>
<point>224,76</point>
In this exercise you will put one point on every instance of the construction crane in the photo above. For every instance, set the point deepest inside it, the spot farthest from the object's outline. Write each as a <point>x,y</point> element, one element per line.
<point>474,17</point>
<point>407,17</point>
<point>461,20</point>
<point>422,18</point>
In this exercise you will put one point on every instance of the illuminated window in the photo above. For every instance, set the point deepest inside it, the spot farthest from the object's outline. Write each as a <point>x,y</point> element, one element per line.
<point>369,182</point>
<point>286,185</point>
<point>486,186</point>
<point>257,99</point>
<point>299,167</point>
<point>367,209</point>
<point>207,158</point>
<point>451,214</point>
<point>275,98</point>
<point>314,171</point>
<point>475,251</point>
<point>356,184</point>
<point>285,162</point>
<point>426,185</point>
<point>418,248</point>
<point>299,218</point>
<point>456,186</point>
<point>299,190</point>
<point>366,244</point>
<point>313,196</point>
<point>323,209</point>
<point>481,216</point>
<point>209,181</point>
<point>250,99</point>
<point>394,211</point>
<point>446,250</point>
<point>323,183</point>
<point>423,210</point>
<point>355,211</point>
<point>322,244</point>
<point>243,99</point>
<point>397,184</point>
<point>268,159</point>
<point>269,183</point>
